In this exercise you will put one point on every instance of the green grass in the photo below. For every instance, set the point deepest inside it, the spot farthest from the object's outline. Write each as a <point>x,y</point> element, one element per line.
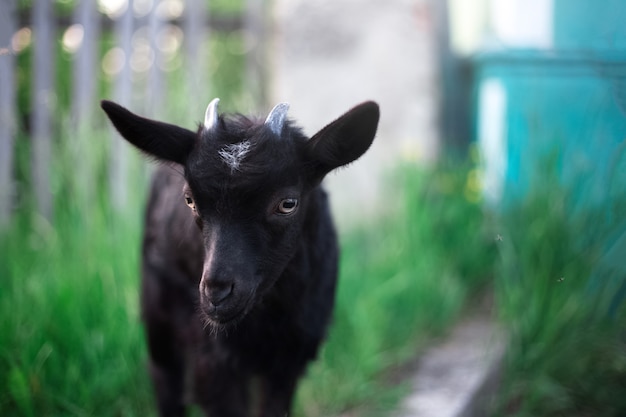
<point>70,337</point>
<point>71,342</point>
<point>560,269</point>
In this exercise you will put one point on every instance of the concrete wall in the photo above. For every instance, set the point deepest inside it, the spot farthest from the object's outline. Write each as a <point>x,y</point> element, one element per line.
<point>329,55</point>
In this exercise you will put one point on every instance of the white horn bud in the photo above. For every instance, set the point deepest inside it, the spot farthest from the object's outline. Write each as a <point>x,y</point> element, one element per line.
<point>210,116</point>
<point>276,118</point>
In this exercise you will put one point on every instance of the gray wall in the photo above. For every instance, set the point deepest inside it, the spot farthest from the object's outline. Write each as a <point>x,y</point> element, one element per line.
<point>329,55</point>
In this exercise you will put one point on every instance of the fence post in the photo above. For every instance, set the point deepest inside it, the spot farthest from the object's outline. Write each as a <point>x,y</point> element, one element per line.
<point>7,110</point>
<point>118,163</point>
<point>85,81</point>
<point>85,68</point>
<point>42,104</point>
<point>155,82</point>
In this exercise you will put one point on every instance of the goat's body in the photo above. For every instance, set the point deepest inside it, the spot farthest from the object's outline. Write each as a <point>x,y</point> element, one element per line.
<point>251,368</point>
<point>239,283</point>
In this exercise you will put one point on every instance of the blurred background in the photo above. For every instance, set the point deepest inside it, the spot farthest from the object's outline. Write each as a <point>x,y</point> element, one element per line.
<point>496,180</point>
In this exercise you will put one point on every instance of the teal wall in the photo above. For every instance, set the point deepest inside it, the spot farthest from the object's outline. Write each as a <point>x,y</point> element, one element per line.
<point>590,24</point>
<point>565,105</point>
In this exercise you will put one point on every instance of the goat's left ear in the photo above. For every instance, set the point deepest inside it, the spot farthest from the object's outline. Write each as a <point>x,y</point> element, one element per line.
<point>345,139</point>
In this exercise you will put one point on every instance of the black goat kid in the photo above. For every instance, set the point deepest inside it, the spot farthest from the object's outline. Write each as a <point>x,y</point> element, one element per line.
<point>238,288</point>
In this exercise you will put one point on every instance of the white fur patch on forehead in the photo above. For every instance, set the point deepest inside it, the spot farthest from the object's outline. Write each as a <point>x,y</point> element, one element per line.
<point>234,154</point>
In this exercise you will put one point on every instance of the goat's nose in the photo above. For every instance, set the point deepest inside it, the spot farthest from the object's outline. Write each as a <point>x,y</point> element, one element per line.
<point>217,291</point>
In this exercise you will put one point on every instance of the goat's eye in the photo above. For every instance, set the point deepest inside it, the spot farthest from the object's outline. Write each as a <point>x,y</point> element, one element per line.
<point>189,202</point>
<point>287,206</point>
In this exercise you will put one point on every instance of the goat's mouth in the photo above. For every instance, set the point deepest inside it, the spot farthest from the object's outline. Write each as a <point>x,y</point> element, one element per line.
<point>224,316</point>
<point>218,318</point>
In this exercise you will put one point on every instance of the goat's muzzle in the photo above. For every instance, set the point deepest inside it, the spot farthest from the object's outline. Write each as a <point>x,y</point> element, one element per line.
<point>221,302</point>
<point>216,292</point>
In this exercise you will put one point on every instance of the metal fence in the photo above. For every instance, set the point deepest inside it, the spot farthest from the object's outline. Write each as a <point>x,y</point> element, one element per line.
<point>129,46</point>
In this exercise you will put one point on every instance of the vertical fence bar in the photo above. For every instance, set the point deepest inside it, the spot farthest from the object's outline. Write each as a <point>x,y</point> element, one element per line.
<point>85,63</point>
<point>118,163</point>
<point>84,86</point>
<point>155,83</point>
<point>42,104</point>
<point>8,126</point>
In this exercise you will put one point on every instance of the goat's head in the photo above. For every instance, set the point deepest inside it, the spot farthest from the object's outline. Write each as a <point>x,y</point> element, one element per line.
<point>248,185</point>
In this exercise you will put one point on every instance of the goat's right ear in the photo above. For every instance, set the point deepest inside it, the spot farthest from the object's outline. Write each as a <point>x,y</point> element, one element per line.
<point>345,139</point>
<point>161,140</point>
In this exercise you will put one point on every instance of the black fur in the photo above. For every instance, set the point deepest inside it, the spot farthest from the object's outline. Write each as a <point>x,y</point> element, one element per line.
<point>237,295</point>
